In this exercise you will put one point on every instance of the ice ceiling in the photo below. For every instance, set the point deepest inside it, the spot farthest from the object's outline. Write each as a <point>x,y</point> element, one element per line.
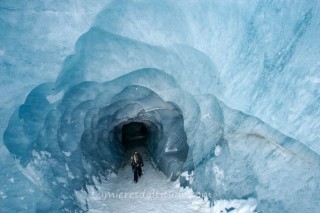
<point>229,91</point>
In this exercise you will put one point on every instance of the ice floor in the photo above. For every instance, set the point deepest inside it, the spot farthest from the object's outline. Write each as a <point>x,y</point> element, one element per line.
<point>153,193</point>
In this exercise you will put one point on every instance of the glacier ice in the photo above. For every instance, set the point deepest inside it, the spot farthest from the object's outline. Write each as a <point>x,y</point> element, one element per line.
<point>228,92</point>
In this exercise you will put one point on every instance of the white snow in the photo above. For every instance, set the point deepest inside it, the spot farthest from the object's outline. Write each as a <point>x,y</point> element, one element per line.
<point>314,80</point>
<point>54,98</point>
<point>11,180</point>
<point>67,154</point>
<point>188,177</point>
<point>61,179</point>
<point>153,193</point>
<point>217,150</point>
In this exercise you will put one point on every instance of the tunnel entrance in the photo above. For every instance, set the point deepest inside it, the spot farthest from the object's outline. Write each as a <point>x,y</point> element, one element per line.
<point>142,121</point>
<point>134,134</point>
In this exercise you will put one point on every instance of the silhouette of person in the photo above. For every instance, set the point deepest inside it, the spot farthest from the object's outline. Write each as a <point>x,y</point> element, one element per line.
<point>136,164</point>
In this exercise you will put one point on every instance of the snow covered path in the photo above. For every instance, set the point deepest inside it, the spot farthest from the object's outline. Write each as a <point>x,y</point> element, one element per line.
<point>152,193</point>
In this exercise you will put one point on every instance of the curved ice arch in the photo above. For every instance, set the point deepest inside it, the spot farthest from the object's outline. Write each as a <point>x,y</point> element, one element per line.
<point>62,116</point>
<point>83,120</point>
<point>217,162</point>
<point>221,162</point>
<point>102,56</point>
<point>168,146</point>
<point>276,60</point>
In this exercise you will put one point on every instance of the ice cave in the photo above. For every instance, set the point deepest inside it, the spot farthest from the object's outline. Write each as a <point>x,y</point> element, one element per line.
<point>222,98</point>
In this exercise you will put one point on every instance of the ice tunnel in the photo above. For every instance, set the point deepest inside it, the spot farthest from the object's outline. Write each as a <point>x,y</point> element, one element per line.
<point>224,95</point>
<point>133,134</point>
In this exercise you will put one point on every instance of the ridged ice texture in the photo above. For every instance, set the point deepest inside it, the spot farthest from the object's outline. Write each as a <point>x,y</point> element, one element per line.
<point>77,133</point>
<point>238,81</point>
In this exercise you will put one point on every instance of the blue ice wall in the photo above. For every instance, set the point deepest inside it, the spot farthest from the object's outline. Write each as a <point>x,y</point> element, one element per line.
<point>229,89</point>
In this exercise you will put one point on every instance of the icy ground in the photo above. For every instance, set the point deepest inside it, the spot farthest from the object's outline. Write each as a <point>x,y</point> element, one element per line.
<point>153,193</point>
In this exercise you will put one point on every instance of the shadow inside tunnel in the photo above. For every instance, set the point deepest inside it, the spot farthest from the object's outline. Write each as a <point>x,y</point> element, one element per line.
<point>134,134</point>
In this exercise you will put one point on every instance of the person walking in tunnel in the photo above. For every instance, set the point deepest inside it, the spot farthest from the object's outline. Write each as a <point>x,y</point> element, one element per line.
<point>137,165</point>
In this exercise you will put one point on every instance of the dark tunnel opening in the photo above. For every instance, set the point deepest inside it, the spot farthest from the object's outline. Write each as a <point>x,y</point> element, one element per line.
<point>158,132</point>
<point>134,134</point>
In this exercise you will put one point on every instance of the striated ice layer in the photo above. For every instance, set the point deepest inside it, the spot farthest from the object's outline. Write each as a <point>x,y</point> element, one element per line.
<point>78,136</point>
<point>228,93</point>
